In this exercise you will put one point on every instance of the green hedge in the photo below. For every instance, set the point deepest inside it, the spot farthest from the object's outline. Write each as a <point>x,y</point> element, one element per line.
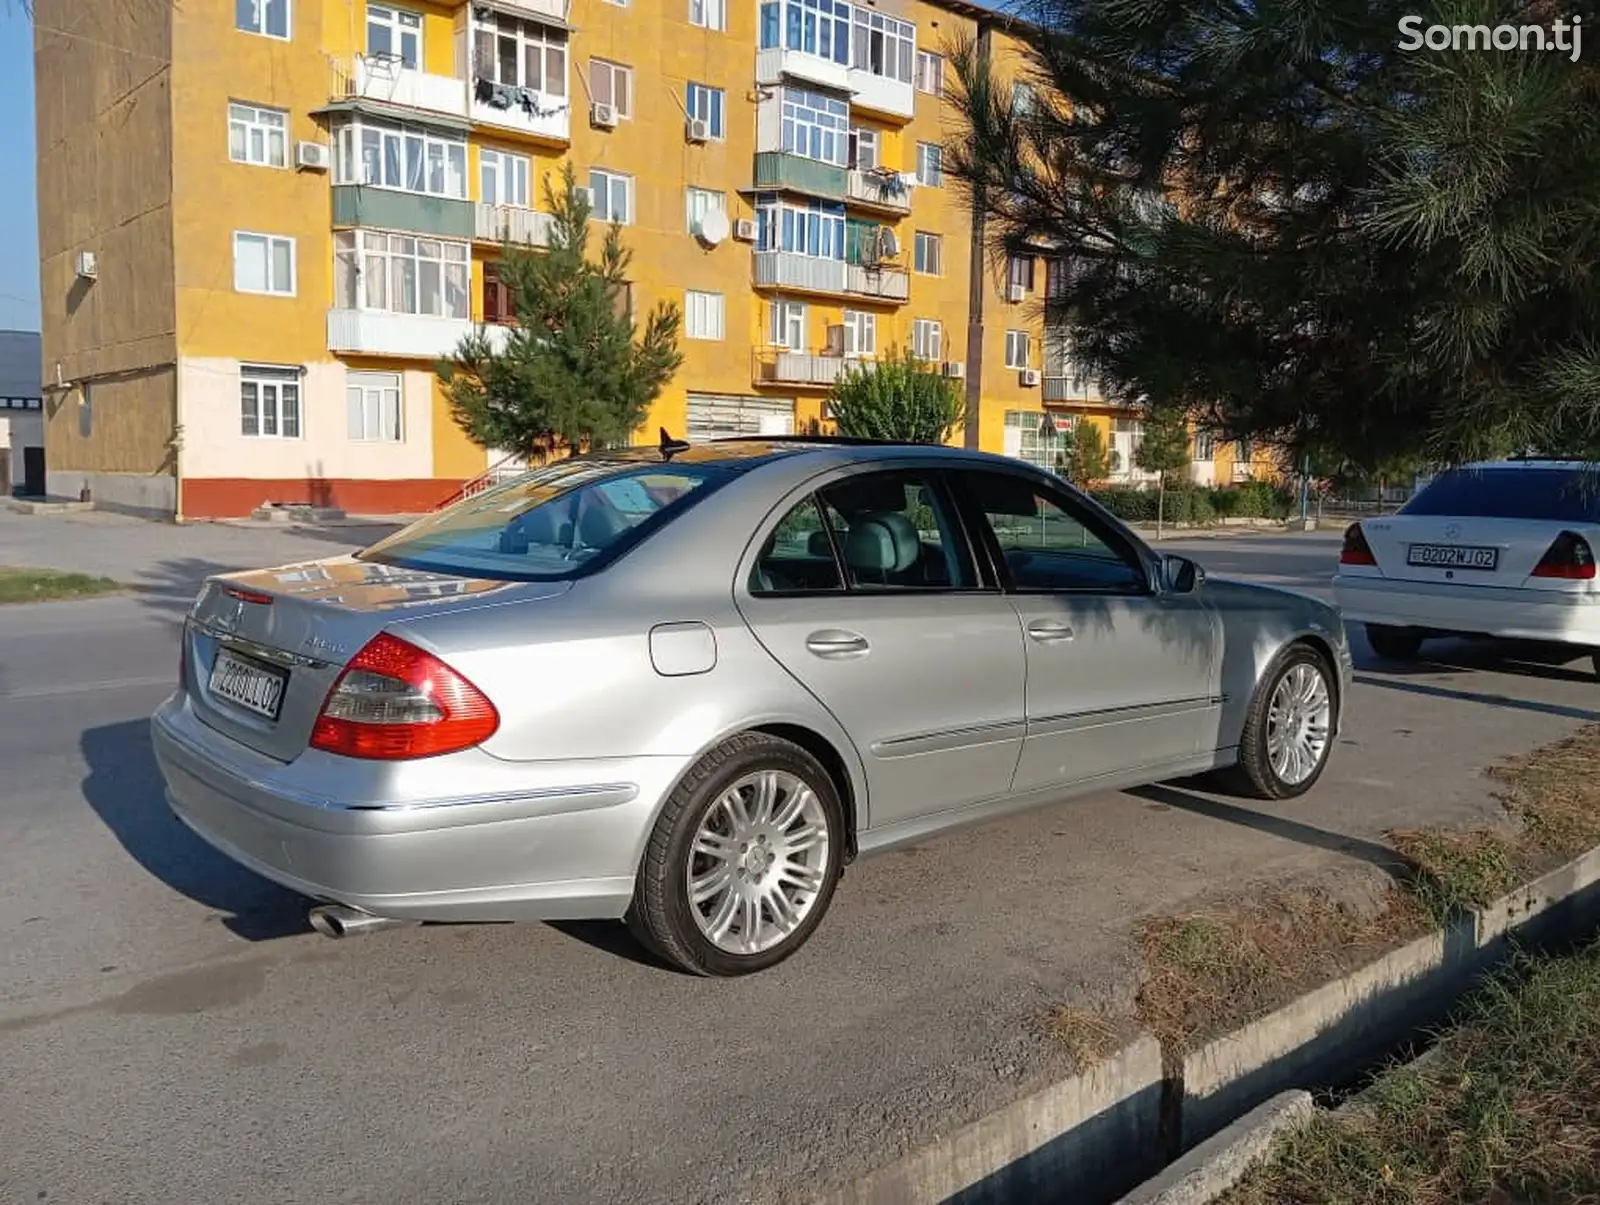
<point>1197,504</point>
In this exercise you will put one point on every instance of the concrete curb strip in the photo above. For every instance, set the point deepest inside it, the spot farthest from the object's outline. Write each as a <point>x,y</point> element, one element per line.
<point>1220,1162</point>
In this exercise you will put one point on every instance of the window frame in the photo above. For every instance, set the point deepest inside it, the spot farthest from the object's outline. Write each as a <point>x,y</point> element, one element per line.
<point>502,160</point>
<point>930,155</point>
<point>260,28</point>
<point>1016,339</point>
<point>935,476</point>
<point>936,326</point>
<point>613,69</point>
<point>716,106</point>
<point>720,311</point>
<point>716,200</point>
<point>365,382</point>
<point>856,323</point>
<point>353,243</point>
<point>1082,510</point>
<point>273,377</point>
<point>927,238</point>
<point>788,309</point>
<point>709,9</point>
<point>253,122</point>
<point>612,177</point>
<point>864,136</point>
<point>786,226</point>
<point>350,146</point>
<point>268,240</point>
<point>928,60</point>
<point>398,29</point>
<point>895,33</point>
<point>813,109</point>
<point>525,32</point>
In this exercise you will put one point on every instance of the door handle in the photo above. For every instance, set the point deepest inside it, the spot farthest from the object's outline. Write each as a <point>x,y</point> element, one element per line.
<point>1046,632</point>
<point>834,643</point>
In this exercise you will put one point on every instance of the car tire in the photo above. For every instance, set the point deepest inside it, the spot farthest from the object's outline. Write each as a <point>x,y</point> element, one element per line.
<point>699,818</point>
<point>1255,773</point>
<point>1394,644</point>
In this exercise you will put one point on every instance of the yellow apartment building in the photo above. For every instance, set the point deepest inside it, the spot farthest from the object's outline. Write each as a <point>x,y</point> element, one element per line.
<point>263,222</point>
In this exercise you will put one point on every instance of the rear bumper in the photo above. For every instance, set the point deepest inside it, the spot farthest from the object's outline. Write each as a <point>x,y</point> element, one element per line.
<point>531,841</point>
<point>1480,610</point>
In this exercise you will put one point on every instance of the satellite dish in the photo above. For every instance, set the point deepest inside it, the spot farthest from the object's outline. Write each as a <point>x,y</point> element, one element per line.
<point>713,227</point>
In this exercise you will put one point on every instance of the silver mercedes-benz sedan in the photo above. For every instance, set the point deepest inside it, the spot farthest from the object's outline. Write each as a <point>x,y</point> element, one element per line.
<point>687,685</point>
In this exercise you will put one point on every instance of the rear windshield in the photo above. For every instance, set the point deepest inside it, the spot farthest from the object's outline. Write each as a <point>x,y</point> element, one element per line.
<point>551,524</point>
<point>1564,495</point>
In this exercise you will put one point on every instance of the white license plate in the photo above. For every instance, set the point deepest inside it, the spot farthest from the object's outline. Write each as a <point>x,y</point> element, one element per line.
<point>1452,556</point>
<point>248,684</point>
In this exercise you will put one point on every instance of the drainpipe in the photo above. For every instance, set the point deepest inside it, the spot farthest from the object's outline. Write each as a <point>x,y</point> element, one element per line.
<point>978,277</point>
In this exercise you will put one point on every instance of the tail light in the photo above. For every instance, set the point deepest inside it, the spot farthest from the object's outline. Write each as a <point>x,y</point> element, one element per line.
<point>1356,550</point>
<point>394,702</point>
<point>1570,558</point>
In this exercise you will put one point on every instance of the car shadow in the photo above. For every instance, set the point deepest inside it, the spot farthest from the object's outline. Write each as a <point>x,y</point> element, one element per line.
<point>614,938</point>
<point>125,789</point>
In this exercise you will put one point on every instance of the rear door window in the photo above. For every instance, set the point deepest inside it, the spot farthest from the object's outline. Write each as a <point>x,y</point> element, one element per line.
<point>1560,495</point>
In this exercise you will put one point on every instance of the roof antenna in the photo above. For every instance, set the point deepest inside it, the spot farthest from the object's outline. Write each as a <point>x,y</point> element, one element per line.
<point>671,447</point>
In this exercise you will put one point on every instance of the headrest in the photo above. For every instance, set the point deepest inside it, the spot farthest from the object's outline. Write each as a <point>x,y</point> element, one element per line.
<point>886,542</point>
<point>819,544</point>
<point>598,528</point>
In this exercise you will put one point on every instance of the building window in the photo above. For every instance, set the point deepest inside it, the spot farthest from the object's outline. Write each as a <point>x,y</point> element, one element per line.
<point>1018,348</point>
<point>700,201</point>
<point>520,54</point>
<point>263,263</point>
<point>611,84</point>
<point>816,126</point>
<point>860,334</point>
<point>269,402</point>
<point>258,136</point>
<point>499,305</point>
<point>863,148</point>
<point>372,401</point>
<point>1026,437</point>
<point>1205,445</point>
<point>819,27</point>
<point>928,254</point>
<point>709,14</point>
<point>394,34</point>
<point>930,73</point>
<point>1019,272</point>
<point>884,45</point>
<point>930,164</point>
<point>402,274</point>
<point>612,195</point>
<point>702,315</point>
<point>1056,279</point>
<point>816,229</point>
<point>410,159</point>
<point>788,325</point>
<point>1246,453</point>
<point>503,178</point>
<point>705,103</point>
<point>270,18</point>
<point>927,340</point>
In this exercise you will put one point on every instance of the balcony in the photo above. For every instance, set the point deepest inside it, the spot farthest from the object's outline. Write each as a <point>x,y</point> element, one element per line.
<point>879,283</point>
<point>779,169</point>
<point>786,270</point>
<point>382,80</point>
<point>377,333</point>
<point>798,368</point>
<point>391,209</point>
<point>537,115</point>
<point>880,94</point>
<point>773,65</point>
<point>512,224</point>
<point>1071,387</point>
<point>553,11</point>
<point>884,190</point>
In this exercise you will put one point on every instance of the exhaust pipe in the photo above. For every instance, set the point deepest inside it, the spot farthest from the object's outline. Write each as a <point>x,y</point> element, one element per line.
<point>338,920</point>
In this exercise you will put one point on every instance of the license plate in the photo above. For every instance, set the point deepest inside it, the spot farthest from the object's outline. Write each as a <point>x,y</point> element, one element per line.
<point>248,684</point>
<point>1452,556</point>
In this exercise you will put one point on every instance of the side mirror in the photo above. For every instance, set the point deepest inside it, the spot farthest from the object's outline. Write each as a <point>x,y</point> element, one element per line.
<point>1183,575</point>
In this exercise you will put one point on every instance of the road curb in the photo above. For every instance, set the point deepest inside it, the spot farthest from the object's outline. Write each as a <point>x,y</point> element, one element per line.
<point>1220,1162</point>
<point>1113,1121</point>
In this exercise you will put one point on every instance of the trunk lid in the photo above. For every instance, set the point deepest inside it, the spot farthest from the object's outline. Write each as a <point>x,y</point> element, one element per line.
<point>1463,551</point>
<point>262,648</point>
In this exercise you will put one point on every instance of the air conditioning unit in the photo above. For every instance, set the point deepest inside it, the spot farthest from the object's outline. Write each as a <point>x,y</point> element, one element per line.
<point>745,230</point>
<point>1030,377</point>
<point>697,130</point>
<point>888,242</point>
<point>835,346</point>
<point>603,116</point>
<point>312,156</point>
<point>1015,292</point>
<point>955,370</point>
<point>86,266</point>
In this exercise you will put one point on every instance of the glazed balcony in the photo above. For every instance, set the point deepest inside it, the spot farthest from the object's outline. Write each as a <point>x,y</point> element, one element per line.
<point>779,170</point>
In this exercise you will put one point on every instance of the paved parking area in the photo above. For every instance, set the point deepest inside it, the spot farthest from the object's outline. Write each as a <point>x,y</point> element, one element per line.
<point>170,1031</point>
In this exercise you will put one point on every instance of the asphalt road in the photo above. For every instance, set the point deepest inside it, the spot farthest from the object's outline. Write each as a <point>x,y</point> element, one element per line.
<point>170,1031</point>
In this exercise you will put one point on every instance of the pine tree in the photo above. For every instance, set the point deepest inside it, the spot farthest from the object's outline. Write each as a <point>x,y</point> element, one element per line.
<point>1274,218</point>
<point>1088,462</point>
<point>898,398</point>
<point>1164,451</point>
<point>574,372</point>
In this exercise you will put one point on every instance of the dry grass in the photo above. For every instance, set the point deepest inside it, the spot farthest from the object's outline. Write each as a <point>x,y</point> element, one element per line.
<point>1552,802</point>
<point>50,585</point>
<point>1087,1035</point>
<point>1214,970</point>
<point>1505,1113</point>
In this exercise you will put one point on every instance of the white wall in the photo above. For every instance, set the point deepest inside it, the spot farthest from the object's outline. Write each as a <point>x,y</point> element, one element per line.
<point>208,409</point>
<point>19,429</point>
